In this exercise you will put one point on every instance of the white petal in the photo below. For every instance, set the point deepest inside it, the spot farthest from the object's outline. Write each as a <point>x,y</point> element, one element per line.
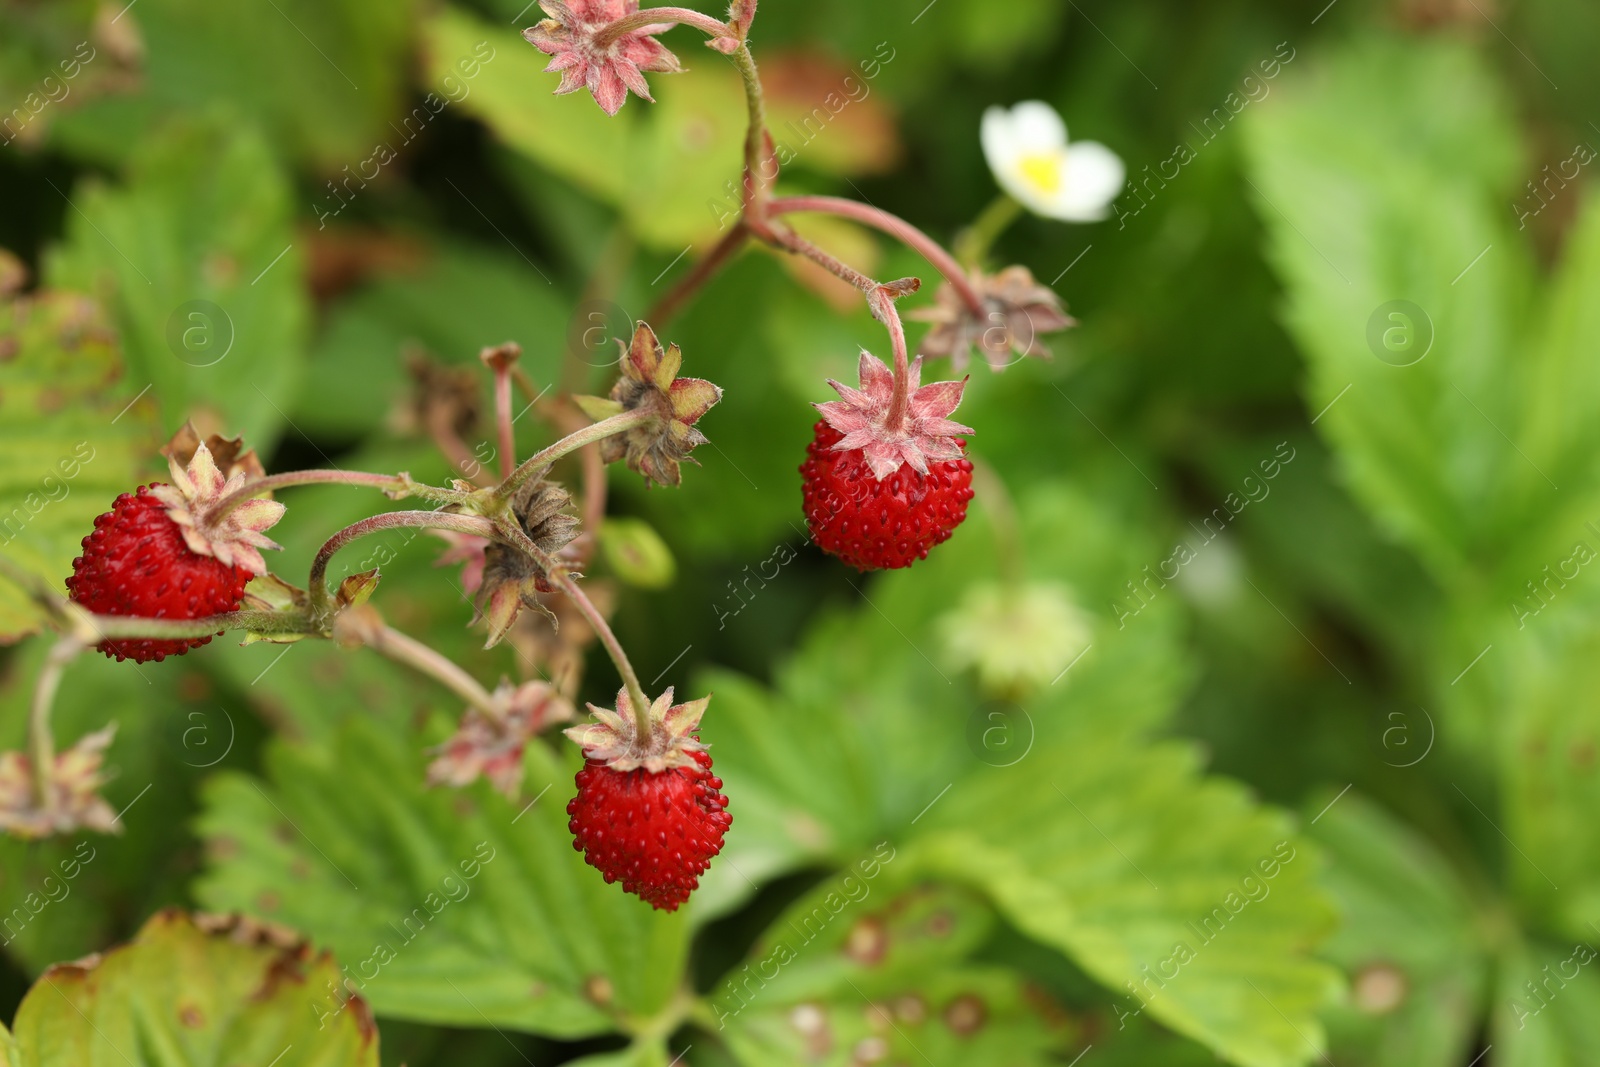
<point>1037,127</point>
<point>1094,177</point>
<point>999,149</point>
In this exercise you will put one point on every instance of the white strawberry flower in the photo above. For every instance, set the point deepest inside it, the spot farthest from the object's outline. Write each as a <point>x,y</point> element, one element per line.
<point>1027,150</point>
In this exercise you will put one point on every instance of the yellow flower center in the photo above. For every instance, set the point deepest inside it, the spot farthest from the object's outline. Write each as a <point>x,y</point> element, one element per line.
<point>1043,170</point>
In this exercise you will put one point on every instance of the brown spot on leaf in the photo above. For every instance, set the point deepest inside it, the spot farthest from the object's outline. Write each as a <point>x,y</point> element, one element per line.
<point>1379,988</point>
<point>190,1016</point>
<point>867,942</point>
<point>965,1015</point>
<point>599,990</point>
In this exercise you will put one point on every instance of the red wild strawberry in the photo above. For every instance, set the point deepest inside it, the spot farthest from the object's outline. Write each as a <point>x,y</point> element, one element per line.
<point>648,813</point>
<point>158,554</point>
<point>877,496</point>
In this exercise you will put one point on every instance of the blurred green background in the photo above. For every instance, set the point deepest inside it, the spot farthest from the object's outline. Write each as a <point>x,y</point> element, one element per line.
<point>1386,657</point>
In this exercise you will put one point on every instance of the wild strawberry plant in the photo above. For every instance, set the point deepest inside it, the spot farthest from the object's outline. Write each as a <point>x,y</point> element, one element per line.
<point>389,666</point>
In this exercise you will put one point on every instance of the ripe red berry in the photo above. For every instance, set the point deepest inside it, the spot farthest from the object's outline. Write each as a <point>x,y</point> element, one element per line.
<point>877,525</point>
<point>655,832</point>
<point>136,562</point>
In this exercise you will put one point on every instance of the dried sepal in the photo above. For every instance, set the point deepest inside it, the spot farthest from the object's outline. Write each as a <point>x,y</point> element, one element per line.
<point>1017,310</point>
<point>924,435</point>
<point>570,36</point>
<point>74,789</point>
<point>511,579</point>
<point>235,538</point>
<point>613,737</point>
<point>488,746</point>
<point>650,382</point>
<point>228,453</point>
<point>357,589</point>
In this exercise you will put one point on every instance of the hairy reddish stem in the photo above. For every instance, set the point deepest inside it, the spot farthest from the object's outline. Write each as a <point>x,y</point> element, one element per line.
<point>597,621</point>
<point>41,739</point>
<point>883,307</point>
<point>654,16</point>
<point>389,520</point>
<point>702,272</point>
<point>425,660</point>
<point>542,459</point>
<point>895,227</point>
<point>386,482</point>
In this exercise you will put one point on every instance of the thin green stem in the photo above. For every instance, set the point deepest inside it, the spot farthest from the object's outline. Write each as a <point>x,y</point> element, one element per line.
<point>1002,511</point>
<point>895,227</point>
<point>389,520</point>
<point>40,738</point>
<point>419,657</point>
<point>542,460</point>
<point>113,627</point>
<point>975,243</point>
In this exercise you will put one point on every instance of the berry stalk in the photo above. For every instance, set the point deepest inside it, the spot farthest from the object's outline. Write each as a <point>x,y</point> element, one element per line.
<point>410,652</point>
<point>597,622</point>
<point>389,520</point>
<point>500,360</point>
<point>702,272</point>
<point>541,461</point>
<point>389,483</point>
<point>655,16</point>
<point>882,303</point>
<point>41,741</point>
<point>895,227</point>
<point>104,627</point>
<point>974,244</point>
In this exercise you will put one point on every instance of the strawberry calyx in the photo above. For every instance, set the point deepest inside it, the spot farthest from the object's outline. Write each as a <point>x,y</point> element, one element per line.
<point>615,740</point>
<point>925,434</point>
<point>234,538</point>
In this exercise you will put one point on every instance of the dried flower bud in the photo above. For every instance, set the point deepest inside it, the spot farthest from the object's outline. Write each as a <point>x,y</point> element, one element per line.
<point>1017,309</point>
<point>650,381</point>
<point>74,789</point>
<point>492,748</point>
<point>511,579</point>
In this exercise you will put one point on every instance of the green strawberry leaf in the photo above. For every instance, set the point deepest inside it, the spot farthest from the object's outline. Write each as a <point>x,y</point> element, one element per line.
<point>861,972</point>
<point>1410,941</point>
<point>1054,804</point>
<point>73,435</point>
<point>349,60</point>
<point>1385,179</point>
<point>569,135</point>
<point>1547,1005</point>
<point>202,992</point>
<point>452,907</point>
<point>197,261</point>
